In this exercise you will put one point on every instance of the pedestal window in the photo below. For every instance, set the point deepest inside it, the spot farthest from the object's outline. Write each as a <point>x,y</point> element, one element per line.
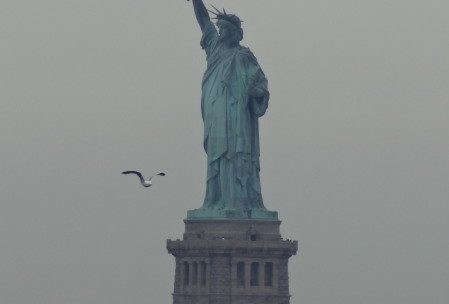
<point>195,273</point>
<point>254,278</point>
<point>186,272</point>
<point>268,274</point>
<point>203,273</point>
<point>240,274</point>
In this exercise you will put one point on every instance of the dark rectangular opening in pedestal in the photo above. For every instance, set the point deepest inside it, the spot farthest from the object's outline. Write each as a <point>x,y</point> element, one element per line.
<point>268,274</point>
<point>254,279</point>
<point>241,274</point>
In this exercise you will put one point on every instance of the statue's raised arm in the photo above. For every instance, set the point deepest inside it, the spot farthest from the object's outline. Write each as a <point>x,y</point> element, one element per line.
<point>201,13</point>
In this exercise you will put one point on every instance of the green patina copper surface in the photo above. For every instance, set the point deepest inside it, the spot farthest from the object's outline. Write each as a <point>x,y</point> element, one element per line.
<point>234,95</point>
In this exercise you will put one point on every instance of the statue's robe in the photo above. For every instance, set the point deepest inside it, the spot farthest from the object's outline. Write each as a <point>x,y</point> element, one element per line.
<point>230,113</point>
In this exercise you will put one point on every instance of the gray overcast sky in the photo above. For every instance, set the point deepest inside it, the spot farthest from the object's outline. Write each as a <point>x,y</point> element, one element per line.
<point>355,145</point>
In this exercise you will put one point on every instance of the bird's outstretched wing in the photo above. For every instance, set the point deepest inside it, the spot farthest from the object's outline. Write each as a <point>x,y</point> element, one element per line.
<point>142,180</point>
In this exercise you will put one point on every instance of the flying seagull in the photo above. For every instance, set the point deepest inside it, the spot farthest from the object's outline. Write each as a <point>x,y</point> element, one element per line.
<point>143,181</point>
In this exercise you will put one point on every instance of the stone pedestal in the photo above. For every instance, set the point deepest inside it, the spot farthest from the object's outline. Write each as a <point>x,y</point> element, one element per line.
<point>231,262</point>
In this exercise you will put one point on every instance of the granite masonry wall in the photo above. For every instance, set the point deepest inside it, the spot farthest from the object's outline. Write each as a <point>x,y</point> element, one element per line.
<point>231,262</point>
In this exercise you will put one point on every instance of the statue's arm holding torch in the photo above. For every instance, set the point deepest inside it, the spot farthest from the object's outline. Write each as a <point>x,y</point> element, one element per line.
<point>201,13</point>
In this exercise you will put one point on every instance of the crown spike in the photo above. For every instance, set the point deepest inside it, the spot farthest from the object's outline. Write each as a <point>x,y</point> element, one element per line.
<point>218,11</point>
<point>224,11</point>
<point>212,12</point>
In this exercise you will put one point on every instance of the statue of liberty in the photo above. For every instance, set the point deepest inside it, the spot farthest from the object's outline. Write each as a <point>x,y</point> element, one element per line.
<point>234,95</point>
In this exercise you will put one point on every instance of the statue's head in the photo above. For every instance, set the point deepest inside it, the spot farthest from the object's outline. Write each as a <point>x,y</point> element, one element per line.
<point>229,26</point>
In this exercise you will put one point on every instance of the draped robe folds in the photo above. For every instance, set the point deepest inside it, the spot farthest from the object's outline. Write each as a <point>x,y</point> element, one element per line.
<point>230,111</point>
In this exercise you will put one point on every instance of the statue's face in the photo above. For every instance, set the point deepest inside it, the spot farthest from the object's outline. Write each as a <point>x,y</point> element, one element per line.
<point>226,30</point>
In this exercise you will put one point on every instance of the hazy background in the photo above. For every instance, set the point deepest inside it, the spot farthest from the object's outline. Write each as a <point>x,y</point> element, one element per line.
<point>355,146</point>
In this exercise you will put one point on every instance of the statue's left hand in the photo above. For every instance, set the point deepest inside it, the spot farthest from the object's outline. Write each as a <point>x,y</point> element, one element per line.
<point>256,92</point>
<point>253,89</point>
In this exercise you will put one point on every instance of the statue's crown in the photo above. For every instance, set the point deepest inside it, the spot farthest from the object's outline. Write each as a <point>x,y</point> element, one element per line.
<point>231,18</point>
